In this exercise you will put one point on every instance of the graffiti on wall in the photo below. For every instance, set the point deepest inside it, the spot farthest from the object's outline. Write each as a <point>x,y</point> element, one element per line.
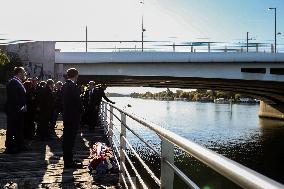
<point>36,70</point>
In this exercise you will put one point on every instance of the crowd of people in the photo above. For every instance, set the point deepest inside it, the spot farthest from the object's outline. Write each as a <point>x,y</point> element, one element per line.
<point>33,107</point>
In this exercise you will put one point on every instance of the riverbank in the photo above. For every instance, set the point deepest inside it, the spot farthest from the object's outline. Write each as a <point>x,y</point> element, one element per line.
<point>202,100</point>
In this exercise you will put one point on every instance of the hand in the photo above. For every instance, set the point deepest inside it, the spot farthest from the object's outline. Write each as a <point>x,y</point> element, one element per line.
<point>24,108</point>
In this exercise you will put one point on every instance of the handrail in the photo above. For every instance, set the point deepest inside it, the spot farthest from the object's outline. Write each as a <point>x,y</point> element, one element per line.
<point>234,171</point>
<point>143,163</point>
<point>140,138</point>
<point>135,170</point>
<point>183,176</point>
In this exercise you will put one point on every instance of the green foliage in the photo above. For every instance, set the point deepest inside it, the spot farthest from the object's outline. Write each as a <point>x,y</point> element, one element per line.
<point>4,59</point>
<point>6,70</point>
<point>201,95</point>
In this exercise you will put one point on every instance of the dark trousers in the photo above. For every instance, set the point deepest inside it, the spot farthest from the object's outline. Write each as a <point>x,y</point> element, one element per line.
<point>69,135</point>
<point>29,126</point>
<point>43,130</point>
<point>93,118</point>
<point>54,118</point>
<point>14,133</point>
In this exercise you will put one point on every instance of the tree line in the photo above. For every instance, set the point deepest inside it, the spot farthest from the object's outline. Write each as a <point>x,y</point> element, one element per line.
<point>194,95</point>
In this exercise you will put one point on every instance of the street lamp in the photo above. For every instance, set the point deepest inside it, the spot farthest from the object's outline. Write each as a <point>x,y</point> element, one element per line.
<point>248,41</point>
<point>143,29</point>
<point>275,31</point>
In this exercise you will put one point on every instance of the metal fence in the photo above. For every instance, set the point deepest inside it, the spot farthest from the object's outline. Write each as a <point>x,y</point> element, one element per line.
<point>234,171</point>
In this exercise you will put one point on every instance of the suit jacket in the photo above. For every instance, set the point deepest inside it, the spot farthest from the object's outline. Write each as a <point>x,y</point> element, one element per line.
<point>71,101</point>
<point>97,96</point>
<point>16,97</point>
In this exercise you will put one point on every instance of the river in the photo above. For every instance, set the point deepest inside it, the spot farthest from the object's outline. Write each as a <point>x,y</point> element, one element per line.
<point>237,133</point>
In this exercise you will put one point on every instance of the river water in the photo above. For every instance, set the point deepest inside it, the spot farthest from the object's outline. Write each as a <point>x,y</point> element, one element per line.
<point>235,132</point>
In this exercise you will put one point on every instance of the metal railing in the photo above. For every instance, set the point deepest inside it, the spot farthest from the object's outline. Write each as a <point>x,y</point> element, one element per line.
<point>234,171</point>
<point>165,46</point>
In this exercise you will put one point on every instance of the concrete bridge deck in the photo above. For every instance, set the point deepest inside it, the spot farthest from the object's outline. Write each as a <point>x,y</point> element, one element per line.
<point>42,165</point>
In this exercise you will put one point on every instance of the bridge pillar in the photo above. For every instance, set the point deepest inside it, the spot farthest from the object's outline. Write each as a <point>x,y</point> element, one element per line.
<point>273,111</point>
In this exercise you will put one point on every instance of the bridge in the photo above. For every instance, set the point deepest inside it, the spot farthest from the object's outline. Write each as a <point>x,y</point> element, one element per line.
<point>252,73</point>
<point>260,75</point>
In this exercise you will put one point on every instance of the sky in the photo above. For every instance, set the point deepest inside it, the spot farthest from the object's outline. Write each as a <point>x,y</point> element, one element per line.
<point>176,21</point>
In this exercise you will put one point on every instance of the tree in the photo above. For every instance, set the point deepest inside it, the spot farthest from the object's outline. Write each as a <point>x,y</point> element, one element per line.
<point>6,68</point>
<point>4,59</point>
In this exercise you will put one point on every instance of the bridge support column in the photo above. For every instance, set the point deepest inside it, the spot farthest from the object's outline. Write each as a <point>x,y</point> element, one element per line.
<point>273,111</point>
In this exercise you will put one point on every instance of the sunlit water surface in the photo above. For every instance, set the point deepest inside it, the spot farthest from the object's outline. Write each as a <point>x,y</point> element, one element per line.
<point>235,132</point>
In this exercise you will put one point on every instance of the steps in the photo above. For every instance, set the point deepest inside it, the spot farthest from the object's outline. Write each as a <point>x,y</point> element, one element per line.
<point>42,165</point>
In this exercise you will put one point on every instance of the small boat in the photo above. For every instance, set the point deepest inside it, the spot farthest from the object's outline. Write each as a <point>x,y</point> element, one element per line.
<point>221,101</point>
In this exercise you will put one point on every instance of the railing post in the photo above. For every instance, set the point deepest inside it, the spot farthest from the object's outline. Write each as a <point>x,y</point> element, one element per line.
<point>122,146</point>
<point>105,115</point>
<point>110,130</point>
<point>167,173</point>
<point>101,111</point>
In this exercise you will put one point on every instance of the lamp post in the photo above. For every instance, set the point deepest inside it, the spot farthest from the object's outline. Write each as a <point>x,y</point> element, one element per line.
<point>252,38</point>
<point>247,41</point>
<point>275,31</point>
<point>143,29</point>
<point>86,38</point>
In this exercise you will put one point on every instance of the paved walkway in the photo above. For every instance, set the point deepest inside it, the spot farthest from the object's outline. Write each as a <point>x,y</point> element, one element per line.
<point>42,165</point>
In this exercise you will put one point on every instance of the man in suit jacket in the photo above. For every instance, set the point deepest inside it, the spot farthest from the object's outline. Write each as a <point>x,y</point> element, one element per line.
<point>96,99</point>
<point>15,108</point>
<point>72,109</point>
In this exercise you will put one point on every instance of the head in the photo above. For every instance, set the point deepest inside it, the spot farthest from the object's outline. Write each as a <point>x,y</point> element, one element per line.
<point>28,85</point>
<point>49,83</point>
<point>42,84</point>
<point>82,88</point>
<point>91,85</point>
<point>20,73</point>
<point>34,81</point>
<point>72,74</point>
<point>104,86</point>
<point>59,85</point>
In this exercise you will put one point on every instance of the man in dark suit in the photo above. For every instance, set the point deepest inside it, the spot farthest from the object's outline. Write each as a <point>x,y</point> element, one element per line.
<point>96,99</point>
<point>72,109</point>
<point>15,108</point>
<point>45,107</point>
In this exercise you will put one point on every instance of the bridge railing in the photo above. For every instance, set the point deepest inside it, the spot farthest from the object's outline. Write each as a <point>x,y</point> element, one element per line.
<point>164,46</point>
<point>234,171</point>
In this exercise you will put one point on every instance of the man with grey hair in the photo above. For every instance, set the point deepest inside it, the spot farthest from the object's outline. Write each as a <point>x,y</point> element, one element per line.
<point>15,107</point>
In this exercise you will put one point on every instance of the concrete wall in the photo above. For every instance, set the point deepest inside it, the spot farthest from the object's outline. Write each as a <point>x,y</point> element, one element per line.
<point>267,111</point>
<point>38,57</point>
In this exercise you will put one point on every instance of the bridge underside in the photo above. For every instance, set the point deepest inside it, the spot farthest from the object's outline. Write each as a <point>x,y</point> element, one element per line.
<point>268,91</point>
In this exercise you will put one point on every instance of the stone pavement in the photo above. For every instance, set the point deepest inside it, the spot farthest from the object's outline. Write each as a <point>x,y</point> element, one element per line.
<point>42,165</point>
